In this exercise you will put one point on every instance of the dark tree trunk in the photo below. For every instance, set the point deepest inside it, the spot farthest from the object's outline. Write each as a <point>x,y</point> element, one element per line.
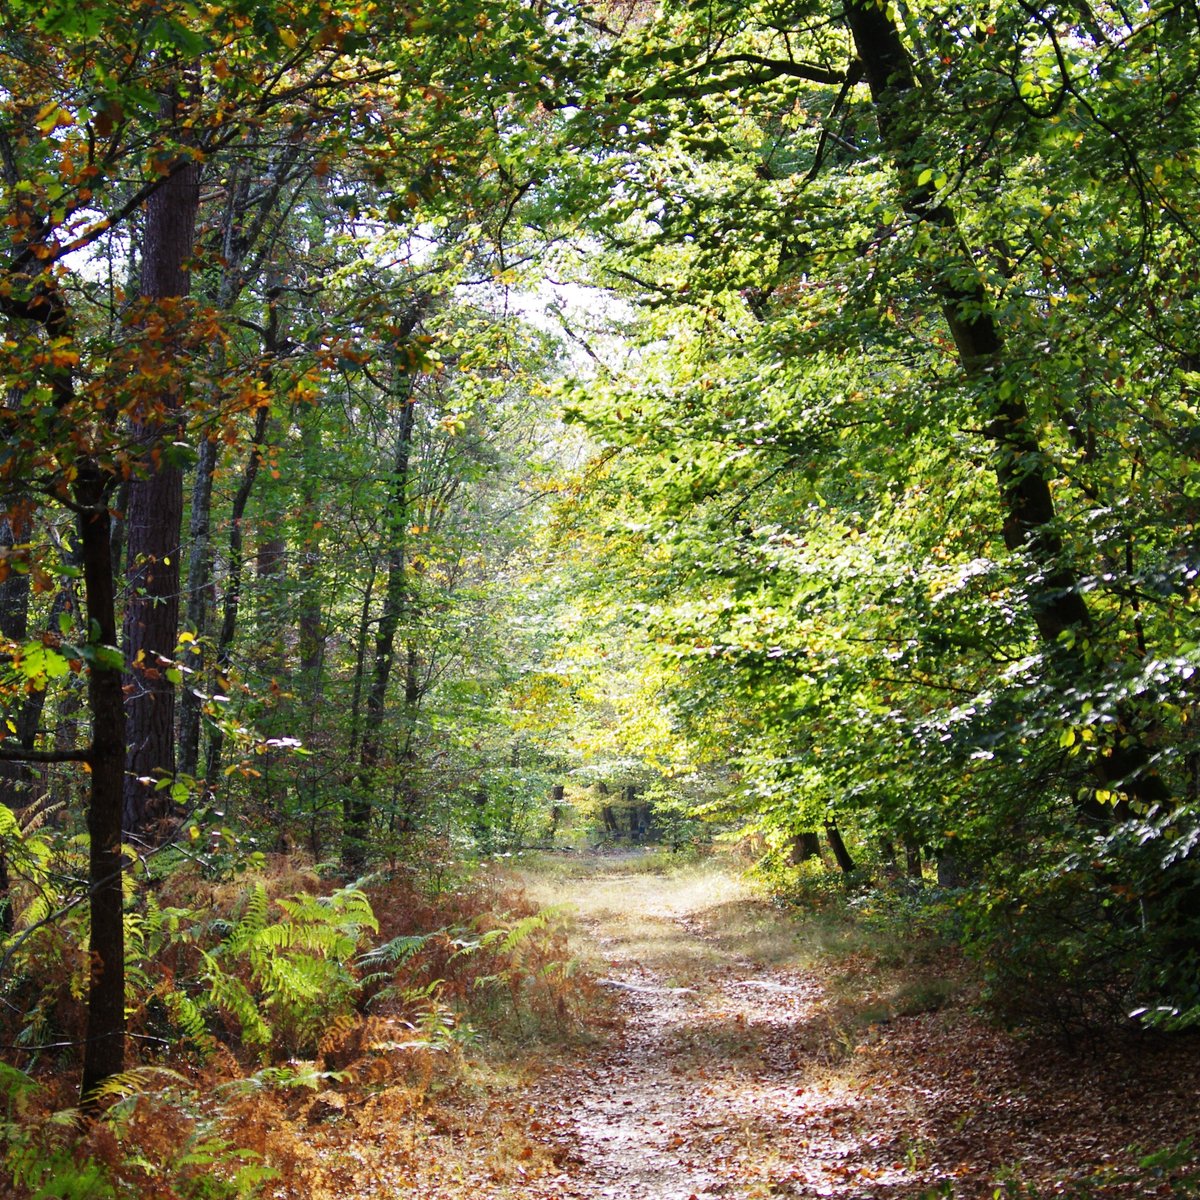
<point>805,845</point>
<point>408,799</point>
<point>15,777</point>
<point>1027,505</point>
<point>912,859</point>
<point>104,1046</point>
<point>238,237</point>
<point>154,515</point>
<point>104,1050</point>
<point>360,663</point>
<point>838,846</point>
<point>557,795</point>
<point>949,868</point>
<point>310,626</point>
<point>359,805</point>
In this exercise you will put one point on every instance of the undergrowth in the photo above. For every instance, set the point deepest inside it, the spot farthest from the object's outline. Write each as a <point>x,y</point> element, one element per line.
<point>263,1001</point>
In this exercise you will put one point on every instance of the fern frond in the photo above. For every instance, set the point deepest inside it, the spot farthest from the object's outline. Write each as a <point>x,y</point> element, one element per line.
<point>231,995</point>
<point>339,1028</point>
<point>189,1017</point>
<point>398,951</point>
<point>8,824</point>
<point>134,1082</point>
<point>300,1075</point>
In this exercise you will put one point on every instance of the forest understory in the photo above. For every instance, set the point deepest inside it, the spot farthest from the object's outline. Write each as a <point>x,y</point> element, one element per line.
<point>727,1048</point>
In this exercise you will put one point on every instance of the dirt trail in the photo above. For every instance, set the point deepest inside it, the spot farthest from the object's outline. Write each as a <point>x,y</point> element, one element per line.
<point>740,1068</point>
<point>710,1088</point>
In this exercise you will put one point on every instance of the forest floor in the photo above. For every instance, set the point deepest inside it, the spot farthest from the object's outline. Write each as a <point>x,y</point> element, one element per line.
<point>731,1053</point>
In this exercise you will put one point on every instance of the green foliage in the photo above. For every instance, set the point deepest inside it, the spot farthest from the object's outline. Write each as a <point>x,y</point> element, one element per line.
<point>1169,1171</point>
<point>283,970</point>
<point>1075,943</point>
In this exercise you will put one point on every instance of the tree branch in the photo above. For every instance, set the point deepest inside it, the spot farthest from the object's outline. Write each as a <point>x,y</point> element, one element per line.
<point>20,754</point>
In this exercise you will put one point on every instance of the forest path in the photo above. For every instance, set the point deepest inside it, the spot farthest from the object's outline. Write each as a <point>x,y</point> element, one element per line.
<point>718,1080</point>
<point>743,1053</point>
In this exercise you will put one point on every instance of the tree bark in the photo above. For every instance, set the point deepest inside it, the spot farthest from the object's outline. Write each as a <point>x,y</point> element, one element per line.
<point>104,1050</point>
<point>196,618</point>
<point>154,515</point>
<point>838,846</point>
<point>1029,521</point>
<point>359,805</point>
<point>104,1045</point>
<point>912,859</point>
<point>805,845</point>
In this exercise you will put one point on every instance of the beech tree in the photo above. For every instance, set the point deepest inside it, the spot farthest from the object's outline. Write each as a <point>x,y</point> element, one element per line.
<point>874,250</point>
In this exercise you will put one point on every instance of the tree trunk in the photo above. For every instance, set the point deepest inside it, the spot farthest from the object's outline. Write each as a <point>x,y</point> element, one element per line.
<point>104,1049</point>
<point>104,1045</point>
<point>912,859</point>
<point>838,846</point>
<point>270,570</point>
<point>949,869</point>
<point>805,845</point>
<point>233,586</point>
<point>196,617</point>
<point>358,805</point>
<point>154,515</point>
<point>15,777</point>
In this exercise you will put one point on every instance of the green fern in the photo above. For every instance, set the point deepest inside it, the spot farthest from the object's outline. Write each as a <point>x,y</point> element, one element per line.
<point>230,996</point>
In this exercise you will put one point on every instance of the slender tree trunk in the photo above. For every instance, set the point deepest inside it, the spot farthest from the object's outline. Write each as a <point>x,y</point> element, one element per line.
<point>949,868</point>
<point>104,1050</point>
<point>233,586</point>
<point>15,777</point>
<point>912,859</point>
<point>270,569</point>
<point>358,804</point>
<point>409,801</point>
<point>154,515</point>
<point>309,621</point>
<point>104,1046</point>
<point>310,626</point>
<point>239,234</point>
<point>196,618</point>
<point>360,661</point>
